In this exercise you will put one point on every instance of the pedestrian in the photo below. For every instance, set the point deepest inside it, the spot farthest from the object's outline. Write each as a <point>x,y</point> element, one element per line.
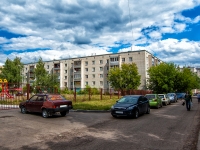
<point>188,101</point>
<point>198,97</point>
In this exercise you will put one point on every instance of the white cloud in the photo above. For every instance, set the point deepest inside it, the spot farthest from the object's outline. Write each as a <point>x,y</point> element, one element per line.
<point>77,28</point>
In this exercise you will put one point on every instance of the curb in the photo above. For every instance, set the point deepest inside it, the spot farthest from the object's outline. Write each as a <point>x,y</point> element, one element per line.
<point>99,111</point>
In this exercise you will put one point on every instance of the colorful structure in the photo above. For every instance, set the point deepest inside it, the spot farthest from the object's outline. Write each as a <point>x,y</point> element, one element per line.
<point>4,87</point>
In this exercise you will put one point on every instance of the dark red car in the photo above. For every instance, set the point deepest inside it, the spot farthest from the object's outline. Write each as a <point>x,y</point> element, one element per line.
<point>47,104</point>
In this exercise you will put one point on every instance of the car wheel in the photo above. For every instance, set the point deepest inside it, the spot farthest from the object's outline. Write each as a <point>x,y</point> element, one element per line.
<point>114,116</point>
<point>45,113</point>
<point>148,110</point>
<point>165,103</point>
<point>136,114</point>
<point>23,110</point>
<point>63,113</point>
<point>161,105</point>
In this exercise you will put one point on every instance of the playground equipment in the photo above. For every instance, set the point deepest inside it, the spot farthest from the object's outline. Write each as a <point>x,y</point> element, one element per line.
<point>4,87</point>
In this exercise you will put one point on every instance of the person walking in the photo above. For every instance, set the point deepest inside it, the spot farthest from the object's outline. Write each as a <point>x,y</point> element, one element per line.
<point>198,97</point>
<point>188,100</point>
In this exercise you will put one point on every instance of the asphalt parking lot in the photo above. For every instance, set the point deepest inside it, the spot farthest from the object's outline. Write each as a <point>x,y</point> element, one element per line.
<point>169,128</point>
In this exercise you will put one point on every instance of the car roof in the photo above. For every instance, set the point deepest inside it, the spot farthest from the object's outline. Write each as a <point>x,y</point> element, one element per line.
<point>134,95</point>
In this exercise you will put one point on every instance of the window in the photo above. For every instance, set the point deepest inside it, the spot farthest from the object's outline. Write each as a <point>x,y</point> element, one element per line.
<point>101,83</point>
<point>65,77</point>
<point>101,75</point>
<point>93,75</point>
<point>65,71</point>
<point>93,82</point>
<point>93,62</point>
<point>47,66</point>
<point>114,59</point>
<point>86,69</point>
<point>93,69</point>
<point>86,76</point>
<point>107,68</point>
<point>101,68</point>
<point>77,76</point>
<point>107,60</point>
<point>86,63</point>
<point>65,65</point>
<point>86,83</point>
<point>101,62</point>
<point>123,59</point>
<point>65,83</point>
<point>130,59</point>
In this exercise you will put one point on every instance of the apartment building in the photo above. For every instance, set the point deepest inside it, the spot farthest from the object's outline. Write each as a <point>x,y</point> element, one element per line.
<point>93,70</point>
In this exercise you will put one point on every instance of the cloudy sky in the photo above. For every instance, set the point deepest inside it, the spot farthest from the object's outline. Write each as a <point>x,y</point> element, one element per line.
<point>59,29</point>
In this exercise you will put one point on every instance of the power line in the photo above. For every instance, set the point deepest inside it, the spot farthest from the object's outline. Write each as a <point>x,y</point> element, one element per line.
<point>130,20</point>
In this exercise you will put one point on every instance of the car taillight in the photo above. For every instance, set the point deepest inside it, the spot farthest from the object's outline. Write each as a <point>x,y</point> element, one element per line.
<point>56,106</point>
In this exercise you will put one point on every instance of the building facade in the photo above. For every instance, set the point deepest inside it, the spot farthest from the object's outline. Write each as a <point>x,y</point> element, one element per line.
<point>93,70</point>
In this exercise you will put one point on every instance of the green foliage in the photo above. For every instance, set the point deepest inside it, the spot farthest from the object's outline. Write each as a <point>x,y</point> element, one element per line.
<point>0,89</point>
<point>162,78</point>
<point>167,77</point>
<point>94,105</point>
<point>126,77</point>
<point>43,79</point>
<point>11,71</point>
<point>67,91</point>
<point>88,90</point>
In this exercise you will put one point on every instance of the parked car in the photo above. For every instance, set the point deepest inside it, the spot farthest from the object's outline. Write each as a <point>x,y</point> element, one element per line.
<point>165,99</point>
<point>172,97</point>
<point>154,100</point>
<point>131,106</point>
<point>47,104</point>
<point>180,95</point>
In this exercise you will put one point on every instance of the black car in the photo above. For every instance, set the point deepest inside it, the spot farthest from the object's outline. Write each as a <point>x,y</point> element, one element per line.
<point>131,106</point>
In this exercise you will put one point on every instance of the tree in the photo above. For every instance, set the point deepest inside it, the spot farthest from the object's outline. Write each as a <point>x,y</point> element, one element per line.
<point>11,71</point>
<point>167,77</point>
<point>43,78</point>
<point>162,78</point>
<point>186,80</point>
<point>124,78</point>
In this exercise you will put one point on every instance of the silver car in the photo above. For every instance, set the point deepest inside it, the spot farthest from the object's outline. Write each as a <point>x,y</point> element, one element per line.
<point>172,97</point>
<point>165,99</point>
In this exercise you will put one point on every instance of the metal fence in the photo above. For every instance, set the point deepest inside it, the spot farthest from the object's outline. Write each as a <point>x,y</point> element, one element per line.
<point>12,94</point>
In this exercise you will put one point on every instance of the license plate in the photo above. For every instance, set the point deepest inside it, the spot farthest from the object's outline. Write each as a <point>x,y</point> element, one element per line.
<point>119,112</point>
<point>63,105</point>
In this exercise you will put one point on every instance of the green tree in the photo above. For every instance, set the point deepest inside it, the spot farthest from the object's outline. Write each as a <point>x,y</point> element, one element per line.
<point>162,78</point>
<point>11,71</point>
<point>124,78</point>
<point>43,78</point>
<point>186,80</point>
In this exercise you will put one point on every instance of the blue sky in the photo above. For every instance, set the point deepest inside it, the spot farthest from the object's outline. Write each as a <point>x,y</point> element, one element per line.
<point>51,29</point>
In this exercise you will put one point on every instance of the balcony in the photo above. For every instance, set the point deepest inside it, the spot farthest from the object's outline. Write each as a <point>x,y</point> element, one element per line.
<point>114,63</point>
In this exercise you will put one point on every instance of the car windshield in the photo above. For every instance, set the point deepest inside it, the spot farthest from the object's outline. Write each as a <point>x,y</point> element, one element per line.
<point>161,96</point>
<point>150,97</point>
<point>56,97</point>
<point>128,100</point>
<point>170,94</point>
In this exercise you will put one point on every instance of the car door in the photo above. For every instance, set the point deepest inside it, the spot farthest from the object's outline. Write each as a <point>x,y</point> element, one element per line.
<point>30,105</point>
<point>141,104</point>
<point>39,103</point>
<point>146,103</point>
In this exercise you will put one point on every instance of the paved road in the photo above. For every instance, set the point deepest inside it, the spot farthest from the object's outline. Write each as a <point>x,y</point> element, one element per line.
<point>167,128</point>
